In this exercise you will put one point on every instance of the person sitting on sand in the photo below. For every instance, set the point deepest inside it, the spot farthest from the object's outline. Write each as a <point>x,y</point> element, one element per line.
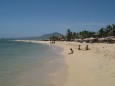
<point>79,47</point>
<point>71,51</point>
<point>87,48</point>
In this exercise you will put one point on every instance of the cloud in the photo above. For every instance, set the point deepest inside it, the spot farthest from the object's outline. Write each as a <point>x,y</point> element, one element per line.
<point>78,26</point>
<point>89,24</point>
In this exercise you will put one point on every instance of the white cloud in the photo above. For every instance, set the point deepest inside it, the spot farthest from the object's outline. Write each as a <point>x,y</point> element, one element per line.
<point>87,24</point>
<point>90,24</point>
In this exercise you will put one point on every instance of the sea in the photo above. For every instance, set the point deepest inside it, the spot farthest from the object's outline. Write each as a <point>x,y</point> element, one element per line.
<point>31,64</point>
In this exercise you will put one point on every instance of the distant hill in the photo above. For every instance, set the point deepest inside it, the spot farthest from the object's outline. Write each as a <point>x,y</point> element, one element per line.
<point>43,37</point>
<point>46,36</point>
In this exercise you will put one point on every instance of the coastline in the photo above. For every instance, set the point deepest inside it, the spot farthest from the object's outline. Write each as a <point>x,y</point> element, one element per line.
<point>57,65</point>
<point>94,67</point>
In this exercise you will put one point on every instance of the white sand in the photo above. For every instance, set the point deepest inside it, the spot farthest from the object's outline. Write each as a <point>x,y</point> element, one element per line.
<point>94,67</point>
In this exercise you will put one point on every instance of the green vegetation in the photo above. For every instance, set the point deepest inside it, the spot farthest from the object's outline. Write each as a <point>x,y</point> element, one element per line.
<point>103,32</point>
<point>108,31</point>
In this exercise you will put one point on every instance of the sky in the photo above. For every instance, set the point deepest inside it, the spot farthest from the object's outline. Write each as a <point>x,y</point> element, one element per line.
<point>25,18</point>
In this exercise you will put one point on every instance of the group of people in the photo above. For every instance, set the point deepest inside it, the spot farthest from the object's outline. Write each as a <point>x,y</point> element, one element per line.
<point>86,48</point>
<point>79,48</point>
<point>52,42</point>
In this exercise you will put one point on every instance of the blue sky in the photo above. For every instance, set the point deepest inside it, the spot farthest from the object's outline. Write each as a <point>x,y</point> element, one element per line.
<point>23,18</point>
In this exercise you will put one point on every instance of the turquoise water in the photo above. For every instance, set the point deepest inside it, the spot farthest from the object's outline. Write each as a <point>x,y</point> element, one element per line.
<point>29,64</point>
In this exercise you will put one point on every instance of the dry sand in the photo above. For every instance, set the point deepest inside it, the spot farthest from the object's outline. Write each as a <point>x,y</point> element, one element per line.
<point>94,67</point>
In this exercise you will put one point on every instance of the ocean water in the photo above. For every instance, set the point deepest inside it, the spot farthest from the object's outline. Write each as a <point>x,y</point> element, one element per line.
<point>30,64</point>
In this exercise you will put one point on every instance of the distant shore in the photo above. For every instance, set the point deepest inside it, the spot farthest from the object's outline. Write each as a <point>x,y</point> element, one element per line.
<point>93,67</point>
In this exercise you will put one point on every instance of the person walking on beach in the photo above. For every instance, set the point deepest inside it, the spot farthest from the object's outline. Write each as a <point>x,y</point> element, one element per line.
<point>71,51</point>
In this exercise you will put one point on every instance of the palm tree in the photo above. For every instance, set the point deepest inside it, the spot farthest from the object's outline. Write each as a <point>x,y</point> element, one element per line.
<point>69,35</point>
<point>63,37</point>
<point>113,26</point>
<point>74,35</point>
<point>101,32</point>
<point>109,30</point>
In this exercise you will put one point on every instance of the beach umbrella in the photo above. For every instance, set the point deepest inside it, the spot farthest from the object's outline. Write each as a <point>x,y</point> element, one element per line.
<point>91,38</point>
<point>114,40</point>
<point>86,39</point>
<point>110,38</point>
<point>75,39</point>
<point>101,39</point>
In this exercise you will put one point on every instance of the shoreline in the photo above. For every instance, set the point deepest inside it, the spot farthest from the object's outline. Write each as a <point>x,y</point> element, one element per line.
<point>94,67</point>
<point>59,66</point>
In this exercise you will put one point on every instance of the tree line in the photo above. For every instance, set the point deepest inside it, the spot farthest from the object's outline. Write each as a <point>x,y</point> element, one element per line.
<point>103,32</point>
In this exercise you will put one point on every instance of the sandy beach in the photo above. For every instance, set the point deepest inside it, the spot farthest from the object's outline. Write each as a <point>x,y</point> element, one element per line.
<point>93,67</point>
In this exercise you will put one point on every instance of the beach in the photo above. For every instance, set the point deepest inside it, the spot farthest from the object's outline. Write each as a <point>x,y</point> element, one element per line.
<point>93,67</point>
<point>57,43</point>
